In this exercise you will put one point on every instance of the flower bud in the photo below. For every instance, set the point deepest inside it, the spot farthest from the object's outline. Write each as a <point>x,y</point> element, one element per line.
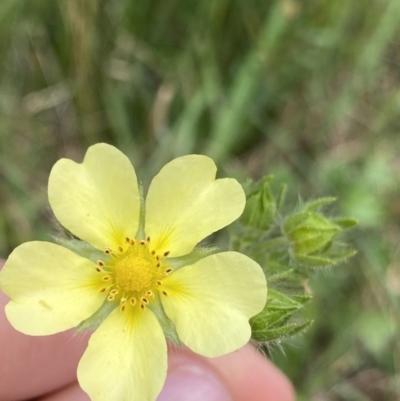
<point>261,207</point>
<point>309,233</point>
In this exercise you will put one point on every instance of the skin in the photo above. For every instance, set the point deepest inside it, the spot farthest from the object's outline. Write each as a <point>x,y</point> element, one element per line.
<point>44,369</point>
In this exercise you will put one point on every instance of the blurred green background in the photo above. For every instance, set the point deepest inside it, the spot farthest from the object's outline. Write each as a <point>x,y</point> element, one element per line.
<point>307,90</point>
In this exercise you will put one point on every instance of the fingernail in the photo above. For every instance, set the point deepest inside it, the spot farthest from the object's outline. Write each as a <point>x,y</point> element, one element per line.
<point>193,381</point>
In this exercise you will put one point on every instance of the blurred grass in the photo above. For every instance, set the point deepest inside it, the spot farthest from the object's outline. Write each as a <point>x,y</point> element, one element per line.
<point>308,91</point>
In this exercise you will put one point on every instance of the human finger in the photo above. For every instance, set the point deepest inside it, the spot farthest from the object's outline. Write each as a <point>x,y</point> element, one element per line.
<point>253,377</point>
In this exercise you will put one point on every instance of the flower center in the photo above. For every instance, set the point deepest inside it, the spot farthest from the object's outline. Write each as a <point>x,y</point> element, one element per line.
<point>134,273</point>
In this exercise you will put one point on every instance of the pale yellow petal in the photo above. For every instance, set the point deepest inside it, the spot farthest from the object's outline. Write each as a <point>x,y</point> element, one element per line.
<point>97,200</point>
<point>51,288</point>
<point>185,204</point>
<point>126,359</point>
<point>212,301</point>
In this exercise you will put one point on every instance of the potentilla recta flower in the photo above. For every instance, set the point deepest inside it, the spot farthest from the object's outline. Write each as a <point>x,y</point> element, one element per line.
<point>137,290</point>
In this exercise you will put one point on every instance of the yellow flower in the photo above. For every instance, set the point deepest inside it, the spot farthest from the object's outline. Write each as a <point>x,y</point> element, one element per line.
<point>209,301</point>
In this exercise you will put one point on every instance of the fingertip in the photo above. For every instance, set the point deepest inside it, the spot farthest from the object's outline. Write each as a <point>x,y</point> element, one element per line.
<point>253,377</point>
<point>70,393</point>
<point>245,374</point>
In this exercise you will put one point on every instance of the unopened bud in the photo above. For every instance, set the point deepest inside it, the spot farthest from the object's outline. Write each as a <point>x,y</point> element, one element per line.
<point>309,233</point>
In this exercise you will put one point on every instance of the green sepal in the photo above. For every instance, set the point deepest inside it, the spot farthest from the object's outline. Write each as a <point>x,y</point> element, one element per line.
<point>272,322</point>
<point>283,332</point>
<point>94,321</point>
<point>304,298</point>
<point>314,261</point>
<point>140,234</point>
<point>168,327</point>
<point>275,318</point>
<point>279,301</point>
<point>192,257</point>
<point>281,276</point>
<point>281,197</point>
<point>82,248</point>
<point>166,323</point>
<point>317,203</point>
<point>318,261</point>
<point>340,257</point>
<point>345,222</point>
<point>279,307</point>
